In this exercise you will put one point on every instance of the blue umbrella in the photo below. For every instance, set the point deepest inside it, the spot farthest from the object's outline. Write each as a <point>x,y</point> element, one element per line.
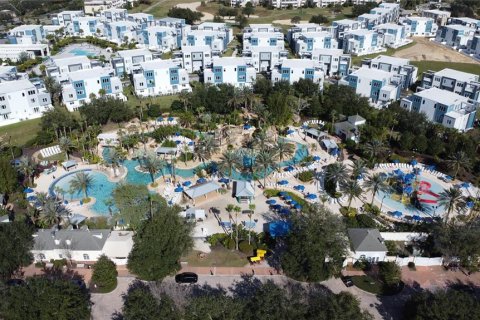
<point>178,141</point>
<point>297,206</point>
<point>293,202</point>
<point>398,172</point>
<point>177,133</point>
<point>431,167</point>
<point>223,180</point>
<point>186,183</point>
<point>288,198</point>
<point>247,126</point>
<point>397,213</point>
<point>284,211</point>
<point>271,201</point>
<point>282,193</point>
<point>311,196</point>
<point>408,190</point>
<point>465,185</point>
<point>283,182</point>
<point>448,178</point>
<point>416,218</point>
<point>201,180</point>
<point>470,204</point>
<point>28,190</point>
<point>190,143</point>
<point>160,119</point>
<point>178,189</point>
<point>414,162</point>
<point>299,187</point>
<point>32,198</point>
<point>316,158</point>
<point>290,131</point>
<point>276,207</point>
<point>396,161</point>
<point>170,118</point>
<point>289,168</point>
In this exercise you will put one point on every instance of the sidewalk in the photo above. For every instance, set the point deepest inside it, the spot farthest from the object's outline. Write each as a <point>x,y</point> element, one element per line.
<point>232,271</point>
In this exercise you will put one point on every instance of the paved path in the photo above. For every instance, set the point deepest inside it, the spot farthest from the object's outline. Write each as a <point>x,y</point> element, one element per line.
<point>106,304</point>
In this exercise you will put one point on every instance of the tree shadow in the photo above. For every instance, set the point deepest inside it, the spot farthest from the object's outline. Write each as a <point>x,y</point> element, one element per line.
<point>392,307</point>
<point>246,287</point>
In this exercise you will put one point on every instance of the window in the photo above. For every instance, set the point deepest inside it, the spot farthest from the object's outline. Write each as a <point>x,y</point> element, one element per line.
<point>36,109</point>
<point>30,92</point>
<point>2,98</point>
<point>70,95</point>
<point>44,99</point>
<point>23,94</point>
<point>86,257</point>
<point>60,256</point>
<point>141,84</point>
<point>5,116</point>
<point>4,106</point>
<point>32,100</point>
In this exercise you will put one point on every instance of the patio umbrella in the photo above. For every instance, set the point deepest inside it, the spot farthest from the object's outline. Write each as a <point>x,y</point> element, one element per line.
<point>316,158</point>
<point>271,201</point>
<point>414,162</point>
<point>396,161</point>
<point>186,183</point>
<point>299,187</point>
<point>276,207</point>
<point>201,180</point>
<point>311,196</point>
<point>284,211</point>
<point>293,202</point>
<point>282,193</point>
<point>178,141</point>
<point>416,218</point>
<point>178,189</point>
<point>28,190</point>
<point>470,204</point>
<point>170,118</point>
<point>297,206</point>
<point>190,143</point>
<point>247,126</point>
<point>288,198</point>
<point>398,172</point>
<point>397,214</point>
<point>160,119</point>
<point>177,134</point>
<point>465,185</point>
<point>290,131</point>
<point>289,168</point>
<point>223,180</point>
<point>32,198</point>
<point>448,178</point>
<point>408,190</point>
<point>283,182</point>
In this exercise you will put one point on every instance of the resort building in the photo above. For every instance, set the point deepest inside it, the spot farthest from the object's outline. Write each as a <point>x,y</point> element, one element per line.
<point>202,192</point>
<point>366,245</point>
<point>65,18</point>
<point>95,6</point>
<point>21,100</point>
<point>297,29</point>
<point>194,58</point>
<point>370,20</point>
<point>160,77</point>
<point>114,14</point>
<point>309,41</point>
<point>217,26</point>
<point>263,39</point>
<point>216,40</point>
<point>473,47</point>
<point>82,84</point>
<point>26,34</point>
<point>265,58</point>
<point>443,107</point>
<point>10,73</point>
<point>59,68</point>
<point>82,246</point>
<point>389,12</point>
<point>404,73</point>
<point>159,38</point>
<point>85,26</point>
<point>332,61</point>
<point>350,128</point>
<point>462,83</point>
<point>13,51</point>
<point>362,42</point>
<point>465,21</point>
<point>234,71</point>
<point>377,85</point>
<point>127,60</point>
<point>120,31</point>
<point>341,27</point>
<point>440,17</point>
<point>394,35</point>
<point>420,27</point>
<point>143,20</point>
<point>455,35</point>
<point>244,191</point>
<point>292,70</point>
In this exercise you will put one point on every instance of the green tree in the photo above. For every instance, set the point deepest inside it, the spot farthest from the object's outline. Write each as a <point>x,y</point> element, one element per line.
<point>451,199</point>
<point>8,177</point>
<point>284,149</point>
<point>374,149</point>
<point>82,182</point>
<point>229,162</point>
<point>315,235</point>
<point>65,145</point>
<point>159,244</point>
<point>390,273</point>
<point>133,203</point>
<point>152,164</point>
<point>264,161</point>
<point>457,162</point>
<point>352,189</point>
<point>140,303</point>
<point>185,13</point>
<point>336,306</point>
<point>320,19</point>
<point>213,307</point>
<point>45,298</point>
<point>116,157</point>
<point>335,174</point>
<point>248,9</point>
<point>17,241</point>
<point>104,275</point>
<point>27,169</point>
<point>374,183</point>
<point>53,211</point>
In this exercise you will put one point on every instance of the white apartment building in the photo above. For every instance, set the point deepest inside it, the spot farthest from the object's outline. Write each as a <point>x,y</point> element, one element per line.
<point>420,27</point>
<point>13,51</point>
<point>462,83</point>
<point>59,68</point>
<point>362,42</point>
<point>465,21</point>
<point>440,17</point>
<point>473,47</point>
<point>84,83</point>
<point>309,41</point>
<point>119,31</point>
<point>403,72</point>
<point>265,58</point>
<point>85,26</point>
<point>159,38</point>
<point>21,100</point>
<point>114,14</point>
<point>370,20</point>
<point>297,29</point>
<point>341,27</point>
<point>235,71</point>
<point>95,6</point>
<point>10,73</point>
<point>444,107</point>
<point>26,34</point>
<point>217,26</point>
<point>216,40</point>
<point>332,61</point>
<point>292,70</point>
<point>374,84</point>
<point>263,39</point>
<point>389,12</point>
<point>161,77</point>
<point>144,20</point>
<point>126,61</point>
<point>261,27</point>
<point>394,35</point>
<point>64,18</point>
<point>194,58</point>
<point>455,35</point>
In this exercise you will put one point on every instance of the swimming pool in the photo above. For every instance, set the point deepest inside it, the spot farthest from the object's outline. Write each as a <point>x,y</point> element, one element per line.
<point>430,206</point>
<point>81,52</point>
<point>102,189</point>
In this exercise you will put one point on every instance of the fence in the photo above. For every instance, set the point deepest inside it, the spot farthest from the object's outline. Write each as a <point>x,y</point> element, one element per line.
<point>419,261</point>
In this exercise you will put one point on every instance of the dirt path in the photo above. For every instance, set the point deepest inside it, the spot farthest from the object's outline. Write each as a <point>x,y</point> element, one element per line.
<point>193,6</point>
<point>287,22</point>
<point>425,49</point>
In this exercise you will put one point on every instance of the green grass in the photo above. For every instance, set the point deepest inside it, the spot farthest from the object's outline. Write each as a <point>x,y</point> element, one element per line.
<point>21,132</point>
<point>160,10</point>
<point>367,283</point>
<point>218,257</point>
<point>164,101</point>
<point>439,65</point>
<point>275,193</point>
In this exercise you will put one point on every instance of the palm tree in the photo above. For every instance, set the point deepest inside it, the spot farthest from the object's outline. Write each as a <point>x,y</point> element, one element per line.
<point>265,160</point>
<point>66,145</point>
<point>358,168</point>
<point>237,210</point>
<point>252,207</point>
<point>27,168</point>
<point>236,99</point>
<point>374,183</point>
<point>284,149</point>
<point>82,182</point>
<point>374,148</point>
<point>153,165</point>
<point>336,173</point>
<point>184,98</point>
<point>229,162</point>
<point>53,212</point>
<point>451,199</point>
<point>261,140</point>
<point>352,189</point>
<point>205,148</point>
<point>459,160</point>
<point>59,191</point>
<point>116,158</point>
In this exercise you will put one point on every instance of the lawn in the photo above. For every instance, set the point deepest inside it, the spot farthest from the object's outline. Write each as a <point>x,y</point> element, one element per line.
<point>275,193</point>
<point>367,283</point>
<point>159,8</point>
<point>164,101</point>
<point>218,257</point>
<point>21,132</point>
<point>439,65</point>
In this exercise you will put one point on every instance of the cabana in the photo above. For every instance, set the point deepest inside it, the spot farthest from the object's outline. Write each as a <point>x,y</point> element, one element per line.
<point>200,192</point>
<point>108,139</point>
<point>164,151</point>
<point>193,213</point>
<point>315,133</point>
<point>67,165</point>
<point>330,145</point>
<point>244,191</point>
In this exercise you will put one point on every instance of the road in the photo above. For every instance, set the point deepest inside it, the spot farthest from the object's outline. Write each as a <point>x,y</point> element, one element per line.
<point>105,305</point>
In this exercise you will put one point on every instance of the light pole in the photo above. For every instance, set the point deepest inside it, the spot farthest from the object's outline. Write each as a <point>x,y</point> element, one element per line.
<point>381,204</point>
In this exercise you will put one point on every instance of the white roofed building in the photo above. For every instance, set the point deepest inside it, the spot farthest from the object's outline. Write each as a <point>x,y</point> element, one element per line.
<point>292,70</point>
<point>462,83</point>
<point>232,70</point>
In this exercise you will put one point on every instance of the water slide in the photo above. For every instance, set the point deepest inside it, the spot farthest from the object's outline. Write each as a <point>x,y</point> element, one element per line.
<point>427,201</point>
<point>424,187</point>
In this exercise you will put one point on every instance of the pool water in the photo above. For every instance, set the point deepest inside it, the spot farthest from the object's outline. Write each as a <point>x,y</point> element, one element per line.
<point>81,52</point>
<point>429,209</point>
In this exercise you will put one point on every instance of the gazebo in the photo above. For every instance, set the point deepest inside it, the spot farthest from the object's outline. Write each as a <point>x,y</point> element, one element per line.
<point>244,191</point>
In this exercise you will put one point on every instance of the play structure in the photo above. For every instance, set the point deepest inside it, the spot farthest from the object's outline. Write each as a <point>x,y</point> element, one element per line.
<point>260,254</point>
<point>424,189</point>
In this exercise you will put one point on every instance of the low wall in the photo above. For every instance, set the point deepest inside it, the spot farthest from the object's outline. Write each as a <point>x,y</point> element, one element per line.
<point>403,236</point>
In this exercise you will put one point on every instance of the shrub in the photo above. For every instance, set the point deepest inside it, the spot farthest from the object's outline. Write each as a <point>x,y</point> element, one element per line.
<point>216,238</point>
<point>352,212</point>
<point>305,176</point>
<point>154,111</point>
<point>169,144</point>
<point>40,264</point>
<point>373,209</point>
<point>411,265</point>
<point>391,247</point>
<point>390,274</point>
<point>229,243</point>
<point>245,247</point>
<point>58,264</point>
<point>104,275</point>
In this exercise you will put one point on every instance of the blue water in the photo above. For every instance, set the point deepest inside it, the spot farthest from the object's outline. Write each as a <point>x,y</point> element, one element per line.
<point>429,210</point>
<point>103,188</point>
<point>81,52</point>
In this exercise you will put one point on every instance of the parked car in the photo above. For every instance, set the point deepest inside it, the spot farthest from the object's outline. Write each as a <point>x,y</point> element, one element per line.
<point>186,277</point>
<point>347,281</point>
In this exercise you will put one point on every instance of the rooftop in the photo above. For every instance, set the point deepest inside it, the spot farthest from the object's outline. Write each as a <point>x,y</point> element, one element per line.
<point>79,239</point>
<point>133,52</point>
<point>299,63</point>
<point>391,60</point>
<point>17,85</point>
<point>438,12</point>
<point>90,73</point>
<point>229,61</point>
<point>244,189</point>
<point>442,96</point>
<point>371,73</point>
<point>360,32</point>
<point>345,21</point>
<point>459,27</point>
<point>25,27</point>
<point>160,64</point>
<point>201,189</point>
<point>366,240</point>
<point>458,75</point>
<point>389,26</point>
<point>70,60</point>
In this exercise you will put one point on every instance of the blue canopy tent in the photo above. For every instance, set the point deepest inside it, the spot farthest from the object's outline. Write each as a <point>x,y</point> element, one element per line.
<point>465,185</point>
<point>299,187</point>
<point>311,196</point>
<point>187,183</point>
<point>408,190</point>
<point>271,201</point>
<point>283,182</point>
<point>398,172</point>
<point>201,180</point>
<point>288,197</point>
<point>397,214</point>
<point>170,119</point>
<point>191,143</point>
<point>278,228</point>
<point>290,131</point>
<point>293,202</point>
<point>178,189</point>
<point>431,167</point>
<point>316,158</point>
<point>225,224</point>
<point>28,190</point>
